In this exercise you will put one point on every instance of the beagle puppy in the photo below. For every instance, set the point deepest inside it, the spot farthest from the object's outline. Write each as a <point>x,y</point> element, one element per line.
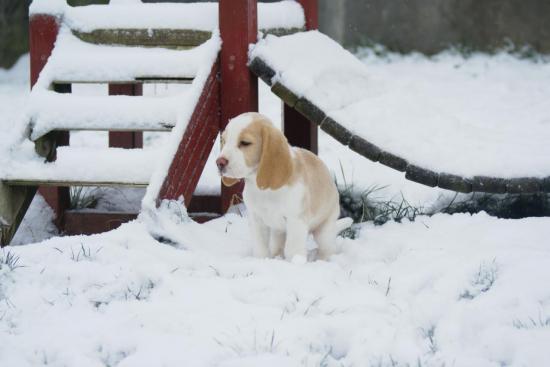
<point>288,191</point>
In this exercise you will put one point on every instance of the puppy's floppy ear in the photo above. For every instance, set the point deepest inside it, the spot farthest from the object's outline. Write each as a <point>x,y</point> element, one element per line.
<point>228,181</point>
<point>275,167</point>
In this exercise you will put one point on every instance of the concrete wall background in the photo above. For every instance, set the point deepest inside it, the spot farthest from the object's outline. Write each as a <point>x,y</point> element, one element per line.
<point>430,26</point>
<point>427,26</point>
<point>13,31</point>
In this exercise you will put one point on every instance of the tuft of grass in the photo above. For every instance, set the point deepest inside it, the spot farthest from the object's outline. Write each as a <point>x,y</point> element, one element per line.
<point>141,293</point>
<point>83,197</point>
<point>390,361</point>
<point>482,281</point>
<point>364,206</point>
<point>257,344</point>
<point>83,253</point>
<point>10,260</point>
<point>532,323</point>
<point>429,335</point>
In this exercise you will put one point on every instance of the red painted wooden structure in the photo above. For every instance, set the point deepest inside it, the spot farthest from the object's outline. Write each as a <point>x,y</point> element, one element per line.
<point>238,29</point>
<point>43,31</point>
<point>125,139</point>
<point>230,90</point>
<point>299,130</point>
<point>197,142</point>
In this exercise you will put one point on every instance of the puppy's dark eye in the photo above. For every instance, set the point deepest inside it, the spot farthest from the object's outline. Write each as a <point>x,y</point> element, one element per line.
<point>243,143</point>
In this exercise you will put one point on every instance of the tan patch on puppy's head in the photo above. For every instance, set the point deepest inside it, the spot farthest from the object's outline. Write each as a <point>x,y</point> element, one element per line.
<point>272,156</point>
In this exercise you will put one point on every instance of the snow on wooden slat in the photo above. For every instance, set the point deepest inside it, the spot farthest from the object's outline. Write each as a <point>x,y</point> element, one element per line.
<point>50,111</point>
<point>197,16</point>
<point>74,60</point>
<point>85,166</point>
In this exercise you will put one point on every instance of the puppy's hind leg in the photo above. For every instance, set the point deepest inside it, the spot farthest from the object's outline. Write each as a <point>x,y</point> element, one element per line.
<point>325,236</point>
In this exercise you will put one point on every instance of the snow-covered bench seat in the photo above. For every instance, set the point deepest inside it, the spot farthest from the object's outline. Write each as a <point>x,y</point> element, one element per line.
<point>165,24</point>
<point>51,111</point>
<point>439,133</point>
<point>76,61</point>
<point>83,166</point>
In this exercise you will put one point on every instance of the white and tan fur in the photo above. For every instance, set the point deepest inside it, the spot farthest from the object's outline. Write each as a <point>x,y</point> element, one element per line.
<point>288,191</point>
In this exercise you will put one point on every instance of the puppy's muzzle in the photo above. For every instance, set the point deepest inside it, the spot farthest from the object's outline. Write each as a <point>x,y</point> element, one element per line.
<point>221,162</point>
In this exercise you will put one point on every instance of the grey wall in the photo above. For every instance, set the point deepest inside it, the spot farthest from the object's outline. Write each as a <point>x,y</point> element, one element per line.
<point>429,26</point>
<point>13,31</point>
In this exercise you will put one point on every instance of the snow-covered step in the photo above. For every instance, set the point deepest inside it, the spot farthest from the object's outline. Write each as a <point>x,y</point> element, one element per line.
<point>196,16</point>
<point>85,167</point>
<point>76,61</point>
<point>50,111</point>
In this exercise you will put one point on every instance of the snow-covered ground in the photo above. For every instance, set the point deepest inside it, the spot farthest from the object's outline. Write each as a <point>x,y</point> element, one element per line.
<point>448,290</point>
<point>455,290</point>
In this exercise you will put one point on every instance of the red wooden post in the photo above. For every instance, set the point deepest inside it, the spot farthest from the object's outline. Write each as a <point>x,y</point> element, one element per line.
<point>311,12</point>
<point>43,30</point>
<point>58,198</point>
<point>196,144</point>
<point>299,130</point>
<point>126,139</point>
<point>239,87</point>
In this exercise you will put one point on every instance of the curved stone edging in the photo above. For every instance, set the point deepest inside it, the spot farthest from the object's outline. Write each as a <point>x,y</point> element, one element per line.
<point>374,153</point>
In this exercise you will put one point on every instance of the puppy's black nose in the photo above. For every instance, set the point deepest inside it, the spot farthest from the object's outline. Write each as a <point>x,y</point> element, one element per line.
<point>221,163</point>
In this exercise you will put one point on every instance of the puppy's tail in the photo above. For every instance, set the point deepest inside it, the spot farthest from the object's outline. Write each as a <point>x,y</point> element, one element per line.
<point>343,223</point>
